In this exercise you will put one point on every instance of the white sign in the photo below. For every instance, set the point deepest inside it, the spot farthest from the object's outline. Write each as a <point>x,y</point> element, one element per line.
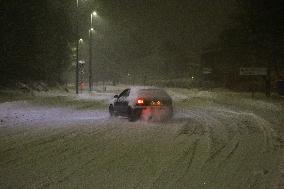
<point>82,62</point>
<point>253,71</point>
<point>207,70</point>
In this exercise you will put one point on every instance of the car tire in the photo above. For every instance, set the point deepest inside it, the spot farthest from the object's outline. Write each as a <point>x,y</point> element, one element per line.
<point>132,115</point>
<point>111,111</point>
<point>171,114</point>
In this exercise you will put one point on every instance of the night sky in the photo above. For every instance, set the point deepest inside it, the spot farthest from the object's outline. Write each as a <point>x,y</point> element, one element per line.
<point>167,37</point>
<point>133,29</point>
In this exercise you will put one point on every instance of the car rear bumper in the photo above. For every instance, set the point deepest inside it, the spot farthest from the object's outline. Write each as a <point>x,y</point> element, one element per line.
<point>151,107</point>
<point>156,113</point>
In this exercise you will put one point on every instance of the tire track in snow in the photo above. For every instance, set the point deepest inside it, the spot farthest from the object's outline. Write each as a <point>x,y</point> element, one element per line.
<point>190,155</point>
<point>209,123</point>
<point>83,150</point>
<point>191,127</point>
<point>234,127</point>
<point>184,161</point>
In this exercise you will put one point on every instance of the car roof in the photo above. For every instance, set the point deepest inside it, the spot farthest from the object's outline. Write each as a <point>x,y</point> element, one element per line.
<point>136,88</point>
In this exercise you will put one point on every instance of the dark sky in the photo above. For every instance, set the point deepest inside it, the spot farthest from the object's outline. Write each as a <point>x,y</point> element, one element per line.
<point>137,27</point>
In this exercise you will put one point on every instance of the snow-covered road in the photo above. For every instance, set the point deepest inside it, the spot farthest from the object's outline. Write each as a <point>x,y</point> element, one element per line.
<point>208,147</point>
<point>23,113</point>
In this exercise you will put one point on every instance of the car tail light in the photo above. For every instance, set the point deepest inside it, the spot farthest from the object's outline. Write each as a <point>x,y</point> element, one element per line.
<point>157,103</point>
<point>140,101</point>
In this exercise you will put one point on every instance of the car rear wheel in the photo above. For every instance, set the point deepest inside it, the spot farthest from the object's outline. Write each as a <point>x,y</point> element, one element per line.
<point>170,114</point>
<point>133,114</point>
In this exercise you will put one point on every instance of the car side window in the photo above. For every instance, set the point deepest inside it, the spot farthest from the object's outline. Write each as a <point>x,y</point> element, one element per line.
<point>125,93</point>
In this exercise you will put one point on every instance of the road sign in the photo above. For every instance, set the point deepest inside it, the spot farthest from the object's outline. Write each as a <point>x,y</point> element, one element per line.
<point>207,70</point>
<point>253,71</point>
<point>82,62</point>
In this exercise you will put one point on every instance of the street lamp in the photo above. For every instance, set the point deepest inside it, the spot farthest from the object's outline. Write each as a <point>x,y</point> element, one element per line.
<point>77,48</point>
<point>93,14</point>
<point>90,59</point>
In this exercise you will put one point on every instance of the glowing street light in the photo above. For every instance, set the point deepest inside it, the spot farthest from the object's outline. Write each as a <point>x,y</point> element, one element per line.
<point>93,14</point>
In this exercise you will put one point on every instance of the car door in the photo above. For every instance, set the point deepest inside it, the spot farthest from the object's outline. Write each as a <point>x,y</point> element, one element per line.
<point>125,102</point>
<point>119,104</point>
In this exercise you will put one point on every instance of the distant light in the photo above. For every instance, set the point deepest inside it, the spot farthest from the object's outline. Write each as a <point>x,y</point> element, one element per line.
<point>94,13</point>
<point>92,29</point>
<point>192,77</point>
<point>81,40</point>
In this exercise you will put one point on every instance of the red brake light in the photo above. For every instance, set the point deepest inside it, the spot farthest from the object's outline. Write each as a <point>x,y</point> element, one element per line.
<point>140,101</point>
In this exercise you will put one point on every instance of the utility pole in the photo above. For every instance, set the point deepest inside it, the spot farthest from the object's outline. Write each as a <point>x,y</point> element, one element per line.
<point>77,48</point>
<point>90,60</point>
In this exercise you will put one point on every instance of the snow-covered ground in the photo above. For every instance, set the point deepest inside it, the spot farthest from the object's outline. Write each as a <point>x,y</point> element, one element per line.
<point>205,145</point>
<point>22,112</point>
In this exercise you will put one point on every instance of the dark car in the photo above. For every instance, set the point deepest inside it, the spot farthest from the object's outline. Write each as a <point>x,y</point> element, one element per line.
<point>142,102</point>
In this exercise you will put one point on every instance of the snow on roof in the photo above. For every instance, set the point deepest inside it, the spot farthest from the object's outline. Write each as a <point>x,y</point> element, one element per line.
<point>142,87</point>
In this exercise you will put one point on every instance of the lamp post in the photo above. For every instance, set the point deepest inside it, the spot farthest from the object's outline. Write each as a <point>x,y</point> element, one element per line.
<point>91,53</point>
<point>90,59</point>
<point>77,48</point>
<point>81,66</point>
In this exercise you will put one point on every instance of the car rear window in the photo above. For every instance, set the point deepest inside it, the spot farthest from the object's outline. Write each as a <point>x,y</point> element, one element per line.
<point>153,93</point>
